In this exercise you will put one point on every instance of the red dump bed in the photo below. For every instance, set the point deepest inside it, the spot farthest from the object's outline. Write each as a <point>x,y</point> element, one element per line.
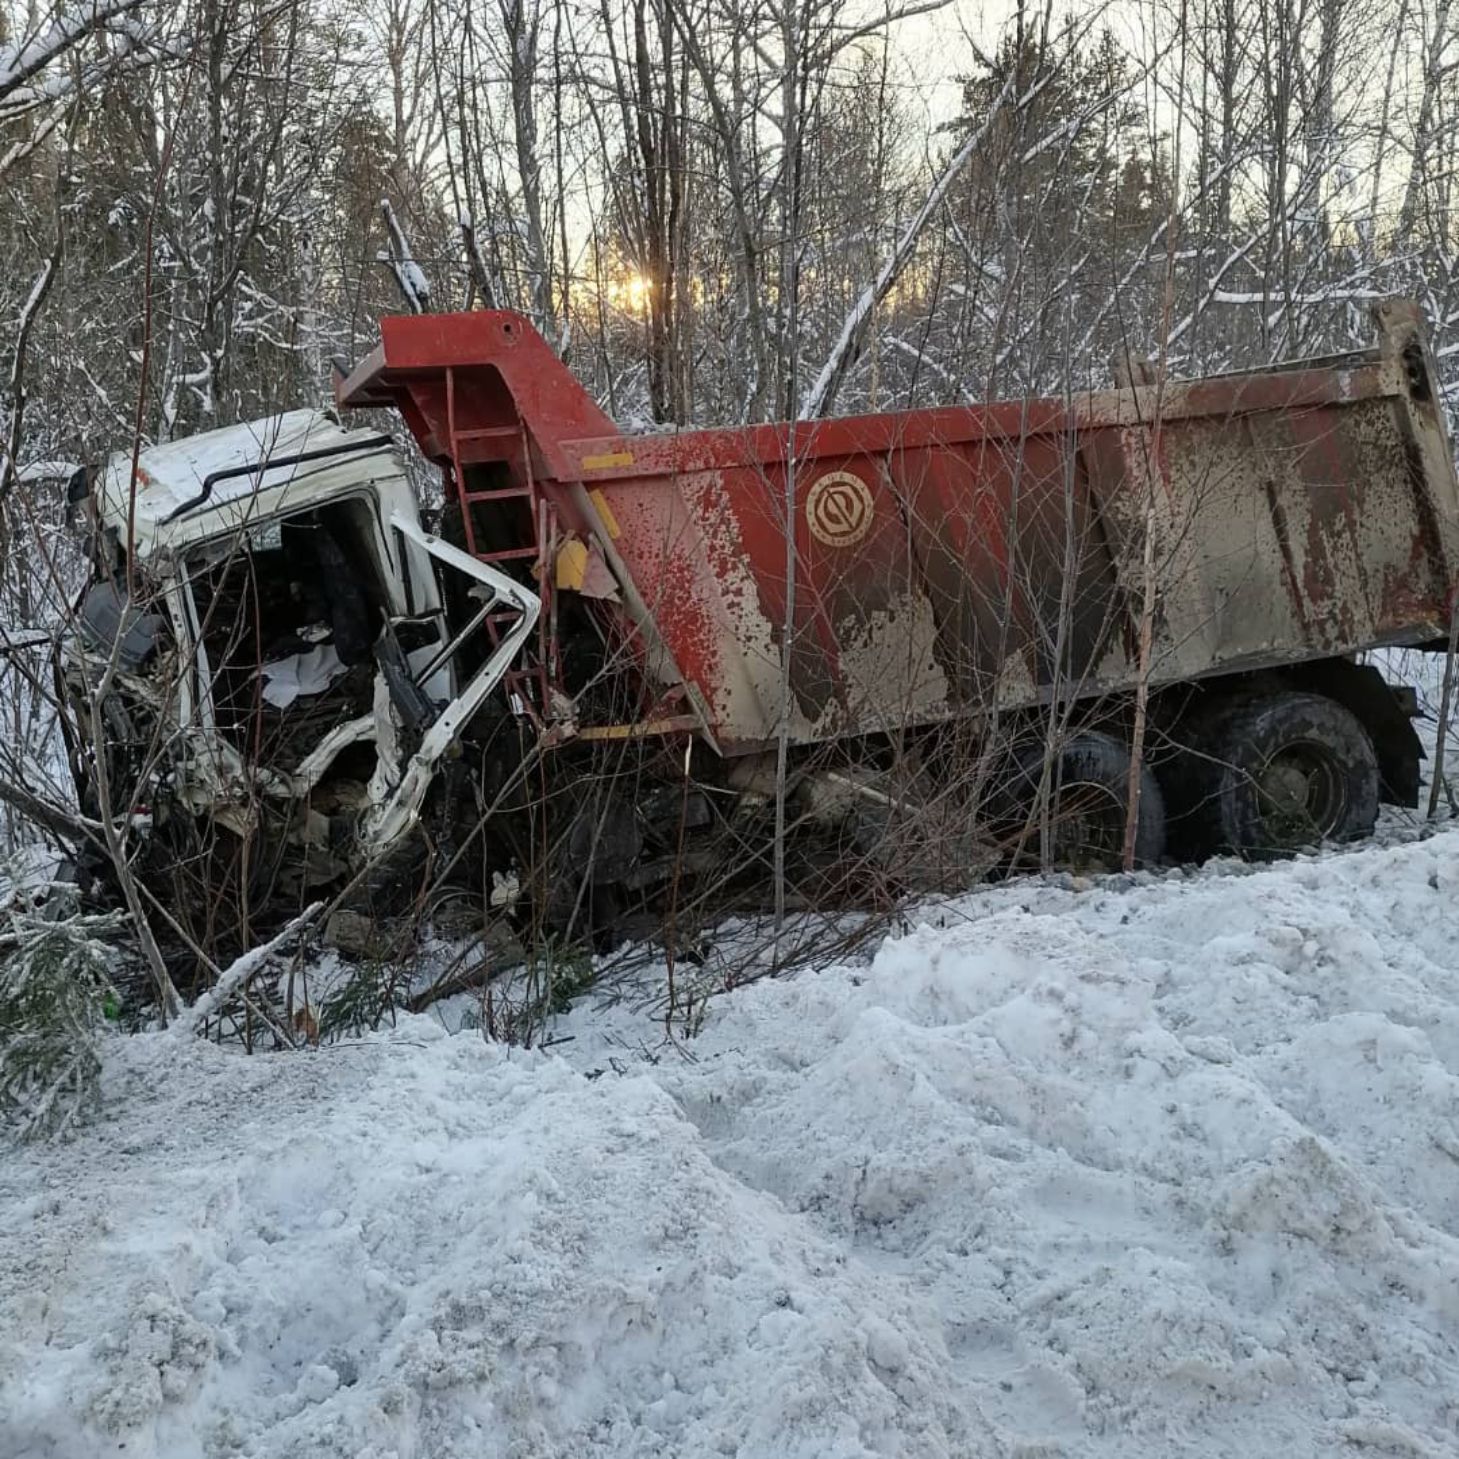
<point>952,558</point>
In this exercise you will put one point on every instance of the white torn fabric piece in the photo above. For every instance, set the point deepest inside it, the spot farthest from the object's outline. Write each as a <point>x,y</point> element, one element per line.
<point>308,673</point>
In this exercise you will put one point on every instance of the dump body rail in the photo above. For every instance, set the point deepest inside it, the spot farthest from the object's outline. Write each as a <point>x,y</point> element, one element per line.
<point>954,559</point>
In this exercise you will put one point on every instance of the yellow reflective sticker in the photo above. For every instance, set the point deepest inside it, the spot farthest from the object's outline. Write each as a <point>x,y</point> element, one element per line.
<point>606,513</point>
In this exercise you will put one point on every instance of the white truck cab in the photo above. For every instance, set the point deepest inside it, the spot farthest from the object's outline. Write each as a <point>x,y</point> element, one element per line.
<point>265,636</point>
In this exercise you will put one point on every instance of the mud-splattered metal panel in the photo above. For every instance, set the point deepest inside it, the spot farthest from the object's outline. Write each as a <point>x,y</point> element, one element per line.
<point>1015,563</point>
<point>707,550</point>
<point>1287,533</point>
<point>929,581</point>
<point>949,559</point>
<point>940,571</point>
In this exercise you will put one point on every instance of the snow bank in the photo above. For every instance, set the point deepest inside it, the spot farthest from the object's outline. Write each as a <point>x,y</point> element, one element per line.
<point>1166,1166</point>
<point>423,1246</point>
<point>1176,1166</point>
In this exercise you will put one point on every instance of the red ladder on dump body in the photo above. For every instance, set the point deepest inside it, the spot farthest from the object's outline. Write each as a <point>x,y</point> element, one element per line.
<point>532,683</point>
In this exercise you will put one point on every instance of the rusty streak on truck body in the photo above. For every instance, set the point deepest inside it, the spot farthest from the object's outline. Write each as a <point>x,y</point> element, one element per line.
<point>949,559</point>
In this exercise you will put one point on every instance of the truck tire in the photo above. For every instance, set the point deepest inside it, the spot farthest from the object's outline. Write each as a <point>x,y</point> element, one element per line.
<point>1280,772</point>
<point>1091,785</point>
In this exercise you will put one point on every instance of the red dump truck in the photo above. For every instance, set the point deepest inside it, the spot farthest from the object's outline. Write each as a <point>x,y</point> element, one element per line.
<point>639,631</point>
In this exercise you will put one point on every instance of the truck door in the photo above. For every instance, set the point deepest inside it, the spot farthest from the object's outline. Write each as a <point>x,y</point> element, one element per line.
<point>504,615</point>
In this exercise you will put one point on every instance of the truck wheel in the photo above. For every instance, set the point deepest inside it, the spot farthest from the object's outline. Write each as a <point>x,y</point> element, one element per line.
<point>1090,786</point>
<point>1282,772</point>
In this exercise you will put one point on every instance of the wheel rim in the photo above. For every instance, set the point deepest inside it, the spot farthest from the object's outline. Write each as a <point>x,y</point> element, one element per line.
<point>1301,795</point>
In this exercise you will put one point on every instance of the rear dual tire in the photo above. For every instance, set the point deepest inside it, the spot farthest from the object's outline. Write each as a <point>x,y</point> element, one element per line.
<point>1268,776</point>
<point>1263,777</point>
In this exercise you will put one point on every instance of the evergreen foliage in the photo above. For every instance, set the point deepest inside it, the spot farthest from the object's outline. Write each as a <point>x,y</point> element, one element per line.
<point>57,1003</point>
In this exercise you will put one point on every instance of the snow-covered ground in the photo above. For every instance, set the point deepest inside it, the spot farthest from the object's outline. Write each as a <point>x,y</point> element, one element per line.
<point>1166,1166</point>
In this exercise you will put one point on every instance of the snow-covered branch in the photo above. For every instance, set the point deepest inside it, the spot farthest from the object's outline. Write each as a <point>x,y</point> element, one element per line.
<point>20,63</point>
<point>414,287</point>
<point>238,972</point>
<point>844,353</point>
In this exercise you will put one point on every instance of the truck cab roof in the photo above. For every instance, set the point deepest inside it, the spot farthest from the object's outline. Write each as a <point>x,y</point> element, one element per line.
<point>217,482</point>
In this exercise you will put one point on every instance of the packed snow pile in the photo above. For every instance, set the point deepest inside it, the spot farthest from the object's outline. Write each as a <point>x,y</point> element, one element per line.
<point>1162,1165</point>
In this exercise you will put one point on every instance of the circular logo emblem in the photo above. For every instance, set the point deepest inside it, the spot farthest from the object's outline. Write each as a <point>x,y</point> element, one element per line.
<point>838,509</point>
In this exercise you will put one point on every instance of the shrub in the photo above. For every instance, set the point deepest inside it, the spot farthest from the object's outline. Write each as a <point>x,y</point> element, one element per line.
<point>57,1001</point>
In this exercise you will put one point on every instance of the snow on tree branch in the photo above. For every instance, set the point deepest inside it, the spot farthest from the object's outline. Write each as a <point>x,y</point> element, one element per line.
<point>20,64</point>
<point>413,284</point>
<point>844,353</point>
<point>237,973</point>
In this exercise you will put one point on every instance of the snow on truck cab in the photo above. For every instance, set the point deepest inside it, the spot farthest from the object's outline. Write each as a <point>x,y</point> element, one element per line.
<point>289,654</point>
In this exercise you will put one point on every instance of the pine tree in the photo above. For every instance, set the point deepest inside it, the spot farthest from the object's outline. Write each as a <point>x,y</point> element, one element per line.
<point>57,1001</point>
